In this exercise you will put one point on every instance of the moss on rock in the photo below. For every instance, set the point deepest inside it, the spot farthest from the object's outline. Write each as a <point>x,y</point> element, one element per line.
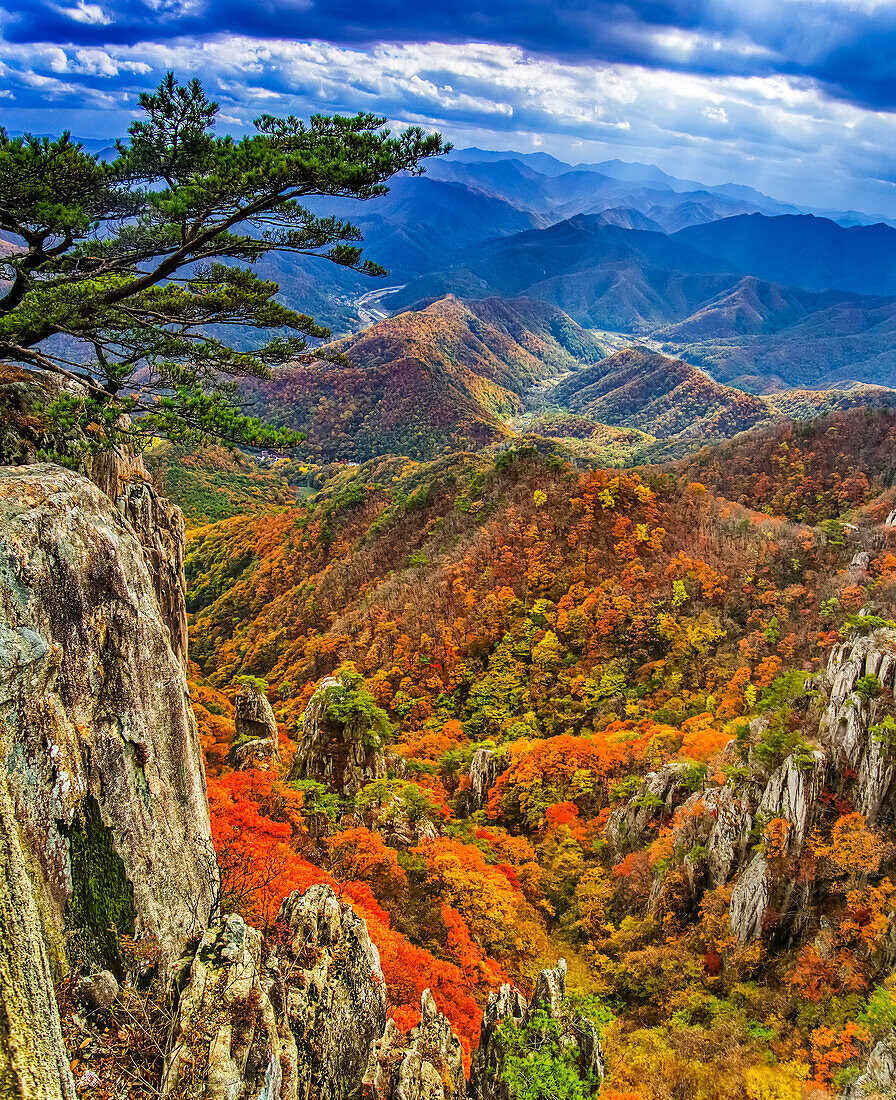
<point>101,907</point>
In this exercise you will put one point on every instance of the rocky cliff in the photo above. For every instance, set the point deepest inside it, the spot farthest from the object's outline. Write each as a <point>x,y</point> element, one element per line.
<point>341,752</point>
<point>426,1063</point>
<point>723,826</point>
<point>104,765</point>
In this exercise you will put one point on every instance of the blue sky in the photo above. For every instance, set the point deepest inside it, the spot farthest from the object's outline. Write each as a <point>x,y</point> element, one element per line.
<point>796,97</point>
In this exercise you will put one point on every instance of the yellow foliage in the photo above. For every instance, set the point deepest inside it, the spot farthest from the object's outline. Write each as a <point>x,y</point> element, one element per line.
<point>783,1082</point>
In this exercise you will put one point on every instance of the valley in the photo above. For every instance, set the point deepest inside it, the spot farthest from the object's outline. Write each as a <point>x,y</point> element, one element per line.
<point>509,711</point>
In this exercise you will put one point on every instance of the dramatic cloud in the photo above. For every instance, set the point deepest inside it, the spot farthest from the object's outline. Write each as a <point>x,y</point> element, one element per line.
<point>796,97</point>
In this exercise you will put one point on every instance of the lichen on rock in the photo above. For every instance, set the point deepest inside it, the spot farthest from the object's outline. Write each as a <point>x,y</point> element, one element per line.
<point>228,1042</point>
<point>34,1064</point>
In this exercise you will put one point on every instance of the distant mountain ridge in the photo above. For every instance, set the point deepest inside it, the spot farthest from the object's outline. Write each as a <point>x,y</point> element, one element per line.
<point>769,299</point>
<point>803,250</point>
<point>650,174</point>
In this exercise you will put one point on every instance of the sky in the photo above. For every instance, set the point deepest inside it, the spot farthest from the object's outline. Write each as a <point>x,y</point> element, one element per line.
<point>794,97</point>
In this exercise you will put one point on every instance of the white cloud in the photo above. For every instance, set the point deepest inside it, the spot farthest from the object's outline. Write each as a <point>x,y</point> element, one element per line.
<point>772,131</point>
<point>715,114</point>
<point>91,14</point>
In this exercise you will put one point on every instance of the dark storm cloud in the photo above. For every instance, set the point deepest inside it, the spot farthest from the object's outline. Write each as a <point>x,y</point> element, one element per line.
<point>848,48</point>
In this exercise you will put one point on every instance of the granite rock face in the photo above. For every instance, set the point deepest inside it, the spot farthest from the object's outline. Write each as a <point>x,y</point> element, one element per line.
<point>627,826</point>
<point>159,526</point>
<point>844,729</point>
<point>119,473</point>
<point>257,739</point>
<point>879,1079</point>
<point>483,773</point>
<point>790,794</point>
<point>104,764</point>
<point>228,1042</point>
<point>425,1064</point>
<point>508,1007</point>
<point>335,753</point>
<point>335,997</point>
<point>34,1064</point>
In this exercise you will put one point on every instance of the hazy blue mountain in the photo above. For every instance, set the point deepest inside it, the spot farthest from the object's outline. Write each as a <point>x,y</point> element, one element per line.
<point>604,276</point>
<point>803,250</point>
<point>582,190</point>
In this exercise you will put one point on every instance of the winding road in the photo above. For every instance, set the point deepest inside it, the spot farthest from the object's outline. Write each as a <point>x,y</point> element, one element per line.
<point>368,308</point>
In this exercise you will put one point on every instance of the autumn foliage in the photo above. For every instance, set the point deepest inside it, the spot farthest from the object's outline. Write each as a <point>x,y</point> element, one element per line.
<point>584,631</point>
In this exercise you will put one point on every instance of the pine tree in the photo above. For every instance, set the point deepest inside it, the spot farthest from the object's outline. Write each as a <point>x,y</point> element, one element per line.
<point>117,280</point>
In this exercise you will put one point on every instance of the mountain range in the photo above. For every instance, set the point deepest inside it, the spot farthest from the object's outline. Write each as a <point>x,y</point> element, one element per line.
<point>762,296</point>
<point>737,310</point>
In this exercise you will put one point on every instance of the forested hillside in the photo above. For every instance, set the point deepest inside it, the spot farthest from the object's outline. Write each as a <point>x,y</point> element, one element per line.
<point>525,645</point>
<point>444,376</point>
<point>808,471</point>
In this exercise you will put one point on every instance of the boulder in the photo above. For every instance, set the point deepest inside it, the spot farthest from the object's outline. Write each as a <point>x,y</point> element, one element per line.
<point>101,749</point>
<point>97,992</point>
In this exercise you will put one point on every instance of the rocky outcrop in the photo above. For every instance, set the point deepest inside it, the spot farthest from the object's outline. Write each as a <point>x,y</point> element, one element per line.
<point>507,1004</point>
<point>627,825</point>
<point>159,526</point>
<point>483,773</point>
<point>790,794</point>
<point>118,472</point>
<point>228,1042</point>
<point>34,1064</point>
<point>424,1064</point>
<point>879,1079</point>
<point>295,1025</point>
<point>256,742</point>
<point>101,749</point>
<point>844,729</point>
<point>574,1034</point>
<point>335,995</point>
<point>343,755</point>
